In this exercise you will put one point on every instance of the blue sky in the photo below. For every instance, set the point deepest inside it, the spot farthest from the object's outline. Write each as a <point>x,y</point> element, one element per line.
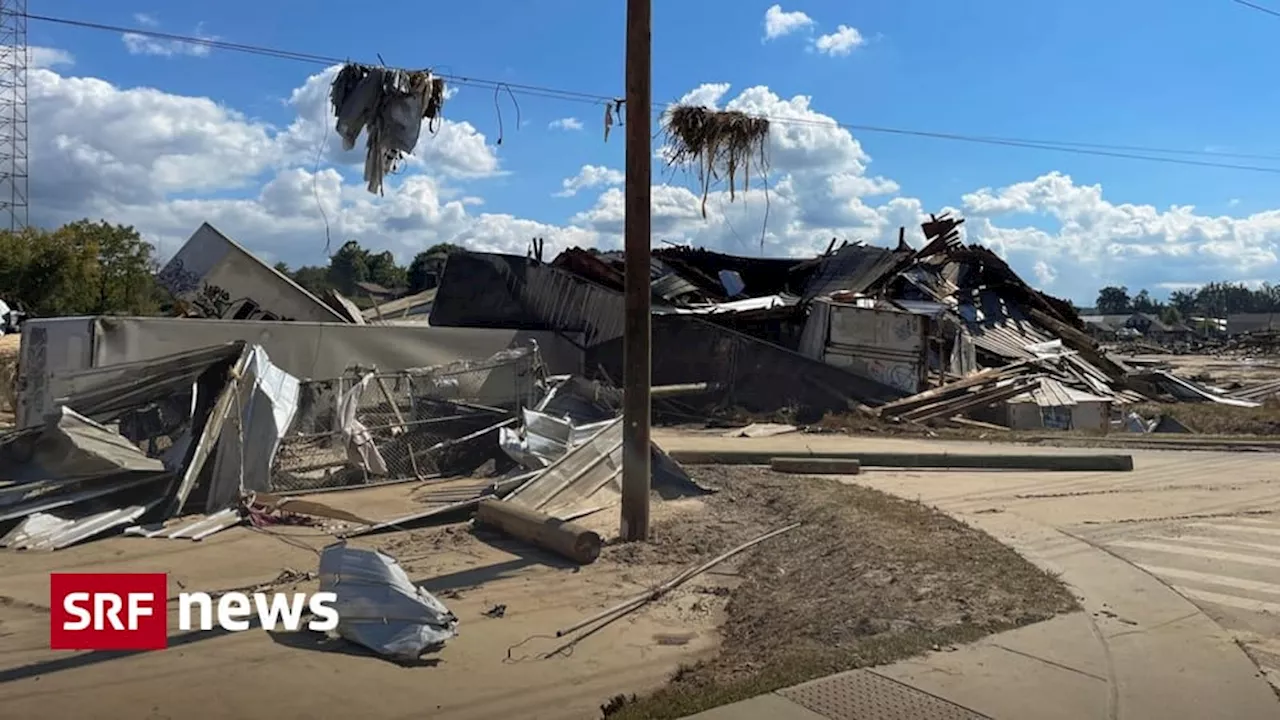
<point>1175,75</point>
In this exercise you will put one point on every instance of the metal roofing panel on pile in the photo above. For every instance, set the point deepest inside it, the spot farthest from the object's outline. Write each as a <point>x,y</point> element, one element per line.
<point>921,307</point>
<point>1008,339</point>
<point>1052,393</point>
<point>852,269</point>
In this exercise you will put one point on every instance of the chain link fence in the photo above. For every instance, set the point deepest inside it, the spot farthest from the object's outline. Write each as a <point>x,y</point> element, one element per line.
<point>368,428</point>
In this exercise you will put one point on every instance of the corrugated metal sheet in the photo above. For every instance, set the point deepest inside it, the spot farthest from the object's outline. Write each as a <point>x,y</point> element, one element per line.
<point>43,531</point>
<point>1053,393</point>
<point>514,292</point>
<point>1008,339</point>
<point>926,308</point>
<point>198,528</point>
<point>853,269</point>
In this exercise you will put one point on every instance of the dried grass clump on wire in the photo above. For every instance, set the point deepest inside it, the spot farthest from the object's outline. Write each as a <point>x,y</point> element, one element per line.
<point>722,144</point>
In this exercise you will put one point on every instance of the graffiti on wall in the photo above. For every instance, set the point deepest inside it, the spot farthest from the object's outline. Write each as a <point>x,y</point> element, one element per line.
<point>177,279</point>
<point>895,373</point>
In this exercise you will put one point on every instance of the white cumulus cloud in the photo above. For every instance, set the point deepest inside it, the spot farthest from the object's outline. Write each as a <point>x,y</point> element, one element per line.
<point>566,123</point>
<point>43,57</point>
<point>143,44</point>
<point>165,162</point>
<point>841,42</point>
<point>778,22</point>
<point>590,176</point>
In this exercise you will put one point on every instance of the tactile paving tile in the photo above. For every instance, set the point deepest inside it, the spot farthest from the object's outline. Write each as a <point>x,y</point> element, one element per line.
<point>864,695</point>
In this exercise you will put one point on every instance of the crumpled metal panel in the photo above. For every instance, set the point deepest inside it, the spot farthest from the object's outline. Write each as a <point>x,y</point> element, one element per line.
<point>43,531</point>
<point>379,607</point>
<point>586,476</point>
<point>70,447</point>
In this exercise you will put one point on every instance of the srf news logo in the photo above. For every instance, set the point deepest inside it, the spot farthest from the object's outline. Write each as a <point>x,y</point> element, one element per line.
<point>129,611</point>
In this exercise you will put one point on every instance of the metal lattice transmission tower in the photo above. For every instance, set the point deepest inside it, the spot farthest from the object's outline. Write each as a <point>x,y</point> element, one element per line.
<point>13,113</point>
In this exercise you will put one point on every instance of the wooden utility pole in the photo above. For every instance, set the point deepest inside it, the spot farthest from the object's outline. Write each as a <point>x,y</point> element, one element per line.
<point>636,330</point>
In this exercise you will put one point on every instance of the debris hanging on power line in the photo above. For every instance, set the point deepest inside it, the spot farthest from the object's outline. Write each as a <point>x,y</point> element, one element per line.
<point>389,105</point>
<point>721,142</point>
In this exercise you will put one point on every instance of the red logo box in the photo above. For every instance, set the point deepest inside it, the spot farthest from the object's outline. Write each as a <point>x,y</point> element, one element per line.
<point>108,611</point>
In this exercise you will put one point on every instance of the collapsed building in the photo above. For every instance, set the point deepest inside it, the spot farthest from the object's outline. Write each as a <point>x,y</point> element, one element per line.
<point>502,381</point>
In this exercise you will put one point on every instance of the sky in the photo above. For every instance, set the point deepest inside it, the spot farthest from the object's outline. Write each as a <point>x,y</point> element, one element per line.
<point>164,135</point>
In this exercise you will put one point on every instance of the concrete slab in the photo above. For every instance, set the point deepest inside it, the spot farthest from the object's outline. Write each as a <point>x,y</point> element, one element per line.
<point>1019,674</point>
<point>761,707</point>
<point>1141,648</point>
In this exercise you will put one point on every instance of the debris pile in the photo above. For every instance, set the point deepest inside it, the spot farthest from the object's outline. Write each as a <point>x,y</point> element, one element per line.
<point>190,432</point>
<point>389,105</point>
<point>941,334</point>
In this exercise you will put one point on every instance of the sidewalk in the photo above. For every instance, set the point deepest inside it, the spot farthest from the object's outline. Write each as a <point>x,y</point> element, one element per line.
<point>1138,650</point>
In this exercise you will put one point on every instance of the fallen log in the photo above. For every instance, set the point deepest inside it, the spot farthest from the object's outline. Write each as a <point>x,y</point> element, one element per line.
<point>558,536</point>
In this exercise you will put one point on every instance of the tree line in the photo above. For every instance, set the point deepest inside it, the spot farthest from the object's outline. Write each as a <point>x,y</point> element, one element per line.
<point>1216,299</point>
<point>353,264</point>
<point>97,268</point>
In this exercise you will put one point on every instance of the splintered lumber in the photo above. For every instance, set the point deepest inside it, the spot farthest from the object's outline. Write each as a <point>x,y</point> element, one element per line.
<point>816,465</point>
<point>942,393</point>
<point>558,536</point>
<point>971,401</point>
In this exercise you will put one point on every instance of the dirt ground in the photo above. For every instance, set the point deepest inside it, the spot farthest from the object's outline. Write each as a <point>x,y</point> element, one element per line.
<point>867,579</point>
<point>494,668</point>
<point>1221,371</point>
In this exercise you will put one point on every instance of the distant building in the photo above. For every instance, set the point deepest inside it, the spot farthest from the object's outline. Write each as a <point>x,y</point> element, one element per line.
<point>1240,323</point>
<point>1148,325</point>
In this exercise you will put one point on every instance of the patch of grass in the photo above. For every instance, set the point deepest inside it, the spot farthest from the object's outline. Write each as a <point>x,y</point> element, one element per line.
<point>868,579</point>
<point>1216,419</point>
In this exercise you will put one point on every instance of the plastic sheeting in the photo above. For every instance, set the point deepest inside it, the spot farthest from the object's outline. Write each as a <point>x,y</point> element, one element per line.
<point>379,607</point>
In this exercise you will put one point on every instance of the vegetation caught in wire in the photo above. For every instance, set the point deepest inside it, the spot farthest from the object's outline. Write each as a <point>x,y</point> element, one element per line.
<point>720,144</point>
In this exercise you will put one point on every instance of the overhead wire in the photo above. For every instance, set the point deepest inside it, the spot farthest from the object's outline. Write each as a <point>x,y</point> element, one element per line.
<point>264,51</point>
<point>1127,152</point>
<point>1259,8</point>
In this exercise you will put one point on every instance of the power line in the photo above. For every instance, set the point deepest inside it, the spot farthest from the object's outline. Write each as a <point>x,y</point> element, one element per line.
<point>1259,8</point>
<point>1127,152</point>
<point>263,51</point>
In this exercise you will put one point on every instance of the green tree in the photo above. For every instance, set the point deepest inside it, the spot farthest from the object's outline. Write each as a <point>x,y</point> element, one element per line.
<point>349,266</point>
<point>81,268</point>
<point>313,278</point>
<point>1143,302</point>
<point>1184,301</point>
<point>427,266</point>
<point>384,271</point>
<point>1114,301</point>
<point>125,266</point>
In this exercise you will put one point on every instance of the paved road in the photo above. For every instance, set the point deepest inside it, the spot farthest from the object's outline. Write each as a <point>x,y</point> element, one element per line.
<point>1229,567</point>
<point>1205,523</point>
